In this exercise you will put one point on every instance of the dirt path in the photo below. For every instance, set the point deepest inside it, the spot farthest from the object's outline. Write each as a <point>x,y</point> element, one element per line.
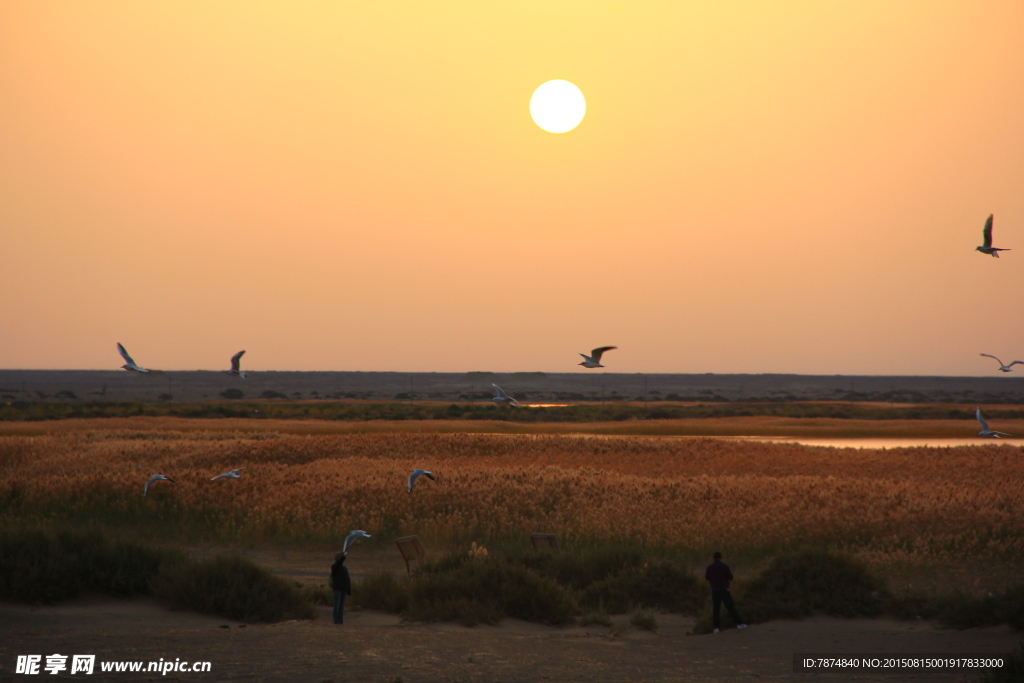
<point>371,646</point>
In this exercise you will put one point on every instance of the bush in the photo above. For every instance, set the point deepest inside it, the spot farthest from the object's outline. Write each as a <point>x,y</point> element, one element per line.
<point>233,587</point>
<point>40,567</point>
<point>659,584</point>
<point>484,590</point>
<point>1013,672</point>
<point>316,595</point>
<point>269,393</point>
<point>600,618</point>
<point>580,569</point>
<point>381,591</point>
<point>234,394</point>
<point>801,584</point>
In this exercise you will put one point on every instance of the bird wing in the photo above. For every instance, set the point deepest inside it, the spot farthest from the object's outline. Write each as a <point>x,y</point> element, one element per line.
<point>984,425</point>
<point>501,394</point>
<point>235,360</point>
<point>412,479</point>
<point>1002,433</point>
<point>219,476</point>
<point>1015,362</point>
<point>987,232</point>
<point>124,354</point>
<point>991,356</point>
<point>585,356</point>
<point>148,484</point>
<point>429,475</point>
<point>237,470</point>
<point>597,353</point>
<point>514,402</point>
<point>352,538</point>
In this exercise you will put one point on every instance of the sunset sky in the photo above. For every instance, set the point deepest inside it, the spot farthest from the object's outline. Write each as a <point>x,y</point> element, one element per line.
<point>757,186</point>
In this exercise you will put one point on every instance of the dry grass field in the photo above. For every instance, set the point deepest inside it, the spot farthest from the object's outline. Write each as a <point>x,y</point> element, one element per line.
<point>959,509</point>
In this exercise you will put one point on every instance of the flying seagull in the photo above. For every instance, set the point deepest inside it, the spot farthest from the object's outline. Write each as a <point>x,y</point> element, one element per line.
<point>987,248</point>
<point>416,475</point>
<point>985,431</point>
<point>504,399</point>
<point>233,474</point>
<point>1004,368</point>
<point>234,371</point>
<point>352,538</point>
<point>130,364</point>
<point>594,359</point>
<point>155,478</point>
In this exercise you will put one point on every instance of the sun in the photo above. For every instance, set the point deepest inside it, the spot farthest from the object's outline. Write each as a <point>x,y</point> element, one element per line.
<point>558,106</point>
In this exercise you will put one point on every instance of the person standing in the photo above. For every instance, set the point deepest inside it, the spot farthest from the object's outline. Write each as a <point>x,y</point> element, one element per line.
<point>342,584</point>
<point>719,575</point>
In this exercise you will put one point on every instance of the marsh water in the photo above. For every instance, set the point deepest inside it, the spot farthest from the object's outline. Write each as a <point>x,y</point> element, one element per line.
<point>881,442</point>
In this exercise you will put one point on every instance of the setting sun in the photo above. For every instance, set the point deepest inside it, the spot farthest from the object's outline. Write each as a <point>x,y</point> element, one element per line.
<point>558,106</point>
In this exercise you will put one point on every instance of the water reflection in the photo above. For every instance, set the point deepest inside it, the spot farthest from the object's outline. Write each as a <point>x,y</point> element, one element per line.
<point>880,442</point>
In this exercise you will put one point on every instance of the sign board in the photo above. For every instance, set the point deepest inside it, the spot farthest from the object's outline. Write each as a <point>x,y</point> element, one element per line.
<point>412,550</point>
<point>544,542</point>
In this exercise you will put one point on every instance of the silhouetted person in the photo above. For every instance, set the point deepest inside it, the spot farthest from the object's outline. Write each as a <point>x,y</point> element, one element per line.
<point>342,586</point>
<point>719,575</point>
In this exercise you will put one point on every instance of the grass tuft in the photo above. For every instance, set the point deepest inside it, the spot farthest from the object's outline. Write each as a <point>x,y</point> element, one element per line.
<point>644,620</point>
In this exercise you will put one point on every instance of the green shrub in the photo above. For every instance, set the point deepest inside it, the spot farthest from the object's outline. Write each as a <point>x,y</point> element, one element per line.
<point>581,568</point>
<point>381,591</point>
<point>659,584</point>
<point>600,618</point>
<point>233,587</point>
<point>959,610</point>
<point>484,590</point>
<point>316,595</point>
<point>41,567</point>
<point>801,584</point>
<point>644,620</point>
<point>1013,672</point>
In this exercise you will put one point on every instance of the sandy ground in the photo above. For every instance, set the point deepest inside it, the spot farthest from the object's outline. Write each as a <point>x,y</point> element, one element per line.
<point>377,647</point>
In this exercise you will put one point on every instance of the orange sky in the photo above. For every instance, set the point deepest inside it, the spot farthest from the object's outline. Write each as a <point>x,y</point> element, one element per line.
<point>758,186</point>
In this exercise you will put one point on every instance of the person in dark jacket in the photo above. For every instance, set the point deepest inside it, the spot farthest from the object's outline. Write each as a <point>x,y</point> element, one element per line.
<point>719,575</point>
<point>342,586</point>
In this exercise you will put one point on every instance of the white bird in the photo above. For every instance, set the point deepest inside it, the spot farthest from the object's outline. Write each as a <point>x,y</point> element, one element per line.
<point>987,248</point>
<point>233,474</point>
<point>416,475</point>
<point>985,431</point>
<point>352,538</point>
<point>130,364</point>
<point>234,371</point>
<point>155,478</point>
<point>594,359</point>
<point>504,399</point>
<point>1004,368</point>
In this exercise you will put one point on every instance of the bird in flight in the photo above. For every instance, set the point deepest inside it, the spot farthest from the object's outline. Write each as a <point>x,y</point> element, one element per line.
<point>985,431</point>
<point>1004,368</point>
<point>594,359</point>
<point>987,248</point>
<point>352,538</point>
<point>416,475</point>
<point>233,474</point>
<point>129,364</point>
<point>504,399</point>
<point>235,361</point>
<point>155,478</point>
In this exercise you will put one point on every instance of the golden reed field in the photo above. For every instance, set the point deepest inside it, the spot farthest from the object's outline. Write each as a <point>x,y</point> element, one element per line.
<point>955,506</point>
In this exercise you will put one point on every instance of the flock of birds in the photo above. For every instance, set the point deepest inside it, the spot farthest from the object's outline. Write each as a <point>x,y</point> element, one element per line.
<point>503,398</point>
